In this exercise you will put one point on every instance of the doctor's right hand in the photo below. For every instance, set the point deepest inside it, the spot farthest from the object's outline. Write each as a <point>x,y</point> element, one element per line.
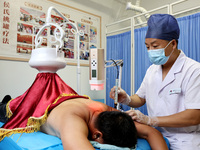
<point>123,97</point>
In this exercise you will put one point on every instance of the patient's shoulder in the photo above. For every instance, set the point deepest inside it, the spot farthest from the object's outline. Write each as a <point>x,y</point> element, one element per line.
<point>83,108</point>
<point>63,113</point>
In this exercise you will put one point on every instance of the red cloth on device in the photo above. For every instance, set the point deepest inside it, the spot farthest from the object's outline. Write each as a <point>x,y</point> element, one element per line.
<point>29,111</point>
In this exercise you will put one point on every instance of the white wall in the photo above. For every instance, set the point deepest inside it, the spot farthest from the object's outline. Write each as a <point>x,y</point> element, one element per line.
<point>16,77</point>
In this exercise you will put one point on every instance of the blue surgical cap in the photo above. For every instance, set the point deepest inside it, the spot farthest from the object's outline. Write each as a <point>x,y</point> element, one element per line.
<point>163,26</point>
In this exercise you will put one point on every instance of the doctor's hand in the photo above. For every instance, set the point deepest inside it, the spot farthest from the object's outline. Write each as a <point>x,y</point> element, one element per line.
<point>141,118</point>
<point>123,97</point>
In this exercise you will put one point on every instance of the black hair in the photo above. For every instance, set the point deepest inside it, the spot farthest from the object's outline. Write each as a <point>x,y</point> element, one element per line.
<point>117,128</point>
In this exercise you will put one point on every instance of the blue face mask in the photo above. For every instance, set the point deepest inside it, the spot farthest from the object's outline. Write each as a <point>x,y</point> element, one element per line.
<point>158,57</point>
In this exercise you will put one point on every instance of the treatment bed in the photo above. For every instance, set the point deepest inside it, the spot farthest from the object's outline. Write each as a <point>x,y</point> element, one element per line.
<point>42,141</point>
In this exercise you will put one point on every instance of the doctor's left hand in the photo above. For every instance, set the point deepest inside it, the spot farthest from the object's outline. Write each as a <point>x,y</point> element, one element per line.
<point>141,118</point>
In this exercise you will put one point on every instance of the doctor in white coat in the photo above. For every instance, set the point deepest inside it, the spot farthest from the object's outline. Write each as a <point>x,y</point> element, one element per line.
<point>170,88</point>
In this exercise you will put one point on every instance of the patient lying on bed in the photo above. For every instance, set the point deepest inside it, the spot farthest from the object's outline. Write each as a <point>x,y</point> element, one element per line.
<point>50,105</point>
<point>79,119</point>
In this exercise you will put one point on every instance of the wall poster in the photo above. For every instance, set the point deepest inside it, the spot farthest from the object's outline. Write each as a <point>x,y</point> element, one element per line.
<point>21,20</point>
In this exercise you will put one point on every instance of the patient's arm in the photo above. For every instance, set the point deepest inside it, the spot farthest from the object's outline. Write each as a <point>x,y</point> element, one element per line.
<point>74,133</point>
<point>69,121</point>
<point>153,136</point>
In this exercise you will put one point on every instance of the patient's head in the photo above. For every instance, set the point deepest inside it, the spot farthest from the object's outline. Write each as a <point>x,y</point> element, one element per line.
<point>117,128</point>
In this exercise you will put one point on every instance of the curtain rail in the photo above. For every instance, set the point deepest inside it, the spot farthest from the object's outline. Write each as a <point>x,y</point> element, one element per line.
<point>175,3</point>
<point>122,29</point>
<point>118,21</point>
<point>185,11</point>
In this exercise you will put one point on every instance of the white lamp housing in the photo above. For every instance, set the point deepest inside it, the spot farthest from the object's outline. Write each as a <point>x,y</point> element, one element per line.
<point>47,60</point>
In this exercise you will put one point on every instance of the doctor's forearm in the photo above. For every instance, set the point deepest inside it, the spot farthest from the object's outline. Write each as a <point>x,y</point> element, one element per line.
<point>185,118</point>
<point>136,101</point>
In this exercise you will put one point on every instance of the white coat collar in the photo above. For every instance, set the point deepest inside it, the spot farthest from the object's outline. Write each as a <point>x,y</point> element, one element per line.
<point>176,68</point>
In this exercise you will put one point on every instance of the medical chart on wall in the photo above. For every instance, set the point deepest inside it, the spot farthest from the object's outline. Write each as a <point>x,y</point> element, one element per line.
<point>21,21</point>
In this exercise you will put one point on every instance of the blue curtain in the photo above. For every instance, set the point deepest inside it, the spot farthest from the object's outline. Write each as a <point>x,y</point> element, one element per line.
<point>119,47</point>
<point>142,62</point>
<point>189,43</point>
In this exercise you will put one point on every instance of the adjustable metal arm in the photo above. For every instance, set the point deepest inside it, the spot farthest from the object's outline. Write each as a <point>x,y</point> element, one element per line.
<point>118,80</point>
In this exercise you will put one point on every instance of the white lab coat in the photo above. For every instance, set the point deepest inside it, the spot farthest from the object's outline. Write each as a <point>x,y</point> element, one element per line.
<point>180,90</point>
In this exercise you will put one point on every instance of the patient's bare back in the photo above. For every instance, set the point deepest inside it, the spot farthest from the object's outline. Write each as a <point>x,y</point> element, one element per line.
<point>72,117</point>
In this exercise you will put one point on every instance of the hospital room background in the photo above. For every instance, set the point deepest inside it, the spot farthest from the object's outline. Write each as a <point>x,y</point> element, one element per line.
<point>121,33</point>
